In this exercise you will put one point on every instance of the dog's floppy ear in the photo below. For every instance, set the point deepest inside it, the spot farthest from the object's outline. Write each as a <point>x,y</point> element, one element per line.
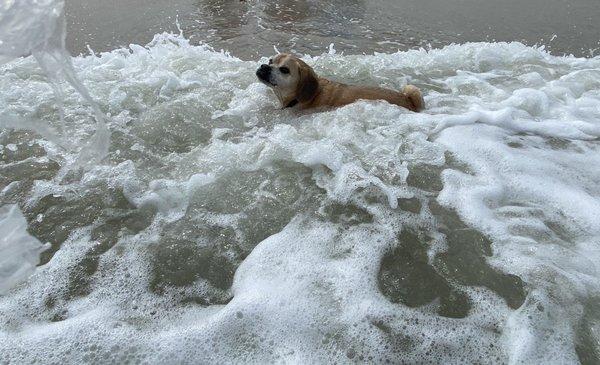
<point>307,83</point>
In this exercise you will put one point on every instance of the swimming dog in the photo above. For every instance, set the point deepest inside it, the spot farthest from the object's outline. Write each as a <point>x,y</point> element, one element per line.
<point>296,84</point>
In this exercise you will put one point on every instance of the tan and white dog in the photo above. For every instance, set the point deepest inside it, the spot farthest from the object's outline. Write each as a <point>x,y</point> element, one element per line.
<point>296,83</point>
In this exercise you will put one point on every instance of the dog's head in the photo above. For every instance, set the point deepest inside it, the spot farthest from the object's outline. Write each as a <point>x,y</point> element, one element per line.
<point>290,78</point>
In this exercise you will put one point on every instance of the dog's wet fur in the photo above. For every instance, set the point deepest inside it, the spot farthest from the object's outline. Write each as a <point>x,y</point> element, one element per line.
<point>297,85</point>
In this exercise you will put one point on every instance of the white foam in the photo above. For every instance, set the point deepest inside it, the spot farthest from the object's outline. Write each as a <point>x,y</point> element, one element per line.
<point>519,125</point>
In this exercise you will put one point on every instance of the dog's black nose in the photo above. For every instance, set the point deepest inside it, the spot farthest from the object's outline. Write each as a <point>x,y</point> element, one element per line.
<point>263,72</point>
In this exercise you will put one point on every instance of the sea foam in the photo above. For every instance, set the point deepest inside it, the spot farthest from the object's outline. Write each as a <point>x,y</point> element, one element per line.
<point>222,229</point>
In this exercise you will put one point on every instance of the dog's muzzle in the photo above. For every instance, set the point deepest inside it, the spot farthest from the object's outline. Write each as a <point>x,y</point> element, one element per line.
<point>264,73</point>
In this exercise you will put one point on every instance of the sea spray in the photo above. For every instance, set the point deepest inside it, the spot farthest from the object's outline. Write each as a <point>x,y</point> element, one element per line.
<point>37,27</point>
<point>19,251</point>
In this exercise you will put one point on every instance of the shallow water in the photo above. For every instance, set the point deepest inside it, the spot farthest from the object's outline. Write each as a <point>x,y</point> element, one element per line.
<point>220,228</point>
<point>249,29</point>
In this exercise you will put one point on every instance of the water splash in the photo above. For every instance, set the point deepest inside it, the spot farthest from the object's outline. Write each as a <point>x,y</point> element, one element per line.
<point>19,252</point>
<point>37,27</point>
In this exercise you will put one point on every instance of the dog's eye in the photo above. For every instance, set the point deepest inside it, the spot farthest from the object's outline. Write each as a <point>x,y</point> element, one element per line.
<point>270,62</point>
<point>284,70</point>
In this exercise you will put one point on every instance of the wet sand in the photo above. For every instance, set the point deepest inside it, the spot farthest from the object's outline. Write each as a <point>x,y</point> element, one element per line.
<point>249,29</point>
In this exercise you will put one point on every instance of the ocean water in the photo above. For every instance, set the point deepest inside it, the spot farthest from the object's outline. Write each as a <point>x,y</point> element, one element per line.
<point>218,228</point>
<point>249,29</point>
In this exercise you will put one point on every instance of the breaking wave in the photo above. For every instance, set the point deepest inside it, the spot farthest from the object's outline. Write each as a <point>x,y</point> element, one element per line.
<point>220,228</point>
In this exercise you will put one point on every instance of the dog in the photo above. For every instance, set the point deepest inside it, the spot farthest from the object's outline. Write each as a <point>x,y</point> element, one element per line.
<point>297,85</point>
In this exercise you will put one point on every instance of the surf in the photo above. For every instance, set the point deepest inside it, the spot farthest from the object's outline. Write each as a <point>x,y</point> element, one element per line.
<point>219,228</point>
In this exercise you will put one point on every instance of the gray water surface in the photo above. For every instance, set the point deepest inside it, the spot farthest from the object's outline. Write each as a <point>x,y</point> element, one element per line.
<point>249,29</point>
